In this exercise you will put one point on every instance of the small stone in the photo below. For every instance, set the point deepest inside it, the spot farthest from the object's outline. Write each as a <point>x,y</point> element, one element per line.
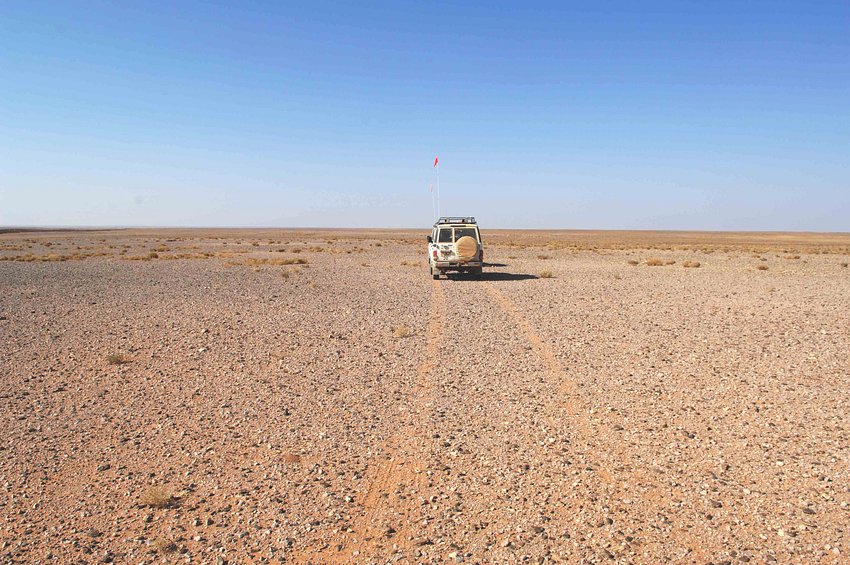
<point>104,467</point>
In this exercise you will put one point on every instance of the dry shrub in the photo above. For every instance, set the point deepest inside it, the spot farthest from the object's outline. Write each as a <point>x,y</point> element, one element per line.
<point>163,545</point>
<point>634,263</point>
<point>543,257</point>
<point>691,264</point>
<point>311,284</point>
<point>762,267</point>
<point>117,359</point>
<point>844,265</point>
<point>669,262</point>
<point>287,261</point>
<point>156,497</point>
<point>285,274</point>
<point>401,331</point>
<point>792,256</point>
<point>655,262</point>
<point>547,275</point>
<point>153,255</point>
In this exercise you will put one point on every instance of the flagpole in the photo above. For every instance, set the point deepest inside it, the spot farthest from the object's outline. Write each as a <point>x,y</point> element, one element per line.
<point>438,190</point>
<point>433,201</point>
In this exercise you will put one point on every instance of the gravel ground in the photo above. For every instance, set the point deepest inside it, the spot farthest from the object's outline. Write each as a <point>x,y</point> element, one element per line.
<point>215,404</point>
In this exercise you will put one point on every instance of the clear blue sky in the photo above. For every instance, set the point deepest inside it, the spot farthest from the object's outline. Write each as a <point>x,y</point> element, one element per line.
<point>646,115</point>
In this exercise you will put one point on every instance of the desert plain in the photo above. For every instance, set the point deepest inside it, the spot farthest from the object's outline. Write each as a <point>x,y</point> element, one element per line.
<point>313,396</point>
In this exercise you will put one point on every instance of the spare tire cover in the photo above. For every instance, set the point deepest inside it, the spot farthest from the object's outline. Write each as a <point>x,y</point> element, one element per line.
<point>466,248</point>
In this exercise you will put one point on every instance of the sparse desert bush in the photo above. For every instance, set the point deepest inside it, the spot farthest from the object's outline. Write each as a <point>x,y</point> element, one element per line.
<point>633,263</point>
<point>669,262</point>
<point>655,262</point>
<point>762,267</point>
<point>285,274</point>
<point>691,264</point>
<point>401,331</point>
<point>117,359</point>
<point>792,256</point>
<point>543,257</point>
<point>311,284</point>
<point>547,275</point>
<point>287,261</point>
<point>844,265</point>
<point>156,497</point>
<point>164,546</point>
<point>378,244</point>
<point>153,255</point>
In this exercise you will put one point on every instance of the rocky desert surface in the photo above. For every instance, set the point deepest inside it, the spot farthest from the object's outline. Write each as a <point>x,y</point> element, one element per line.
<point>312,396</point>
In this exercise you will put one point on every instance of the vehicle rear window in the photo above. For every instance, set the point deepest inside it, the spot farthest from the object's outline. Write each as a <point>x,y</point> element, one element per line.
<point>445,236</point>
<point>462,232</point>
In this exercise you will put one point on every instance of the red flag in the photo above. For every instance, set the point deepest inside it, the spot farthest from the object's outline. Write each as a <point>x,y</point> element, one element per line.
<point>436,161</point>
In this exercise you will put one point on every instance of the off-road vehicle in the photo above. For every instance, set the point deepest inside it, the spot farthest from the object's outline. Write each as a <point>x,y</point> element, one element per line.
<point>455,245</point>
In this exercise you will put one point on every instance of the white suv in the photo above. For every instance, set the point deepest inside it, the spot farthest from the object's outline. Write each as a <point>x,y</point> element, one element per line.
<point>455,245</point>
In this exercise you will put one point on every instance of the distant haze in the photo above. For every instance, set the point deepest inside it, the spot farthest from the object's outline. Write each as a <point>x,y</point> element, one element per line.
<point>615,115</point>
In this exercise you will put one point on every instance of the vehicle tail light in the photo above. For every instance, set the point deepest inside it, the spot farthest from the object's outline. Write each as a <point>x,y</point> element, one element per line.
<point>435,254</point>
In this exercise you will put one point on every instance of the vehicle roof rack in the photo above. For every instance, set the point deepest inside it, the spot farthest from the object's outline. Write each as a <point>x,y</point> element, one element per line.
<point>457,220</point>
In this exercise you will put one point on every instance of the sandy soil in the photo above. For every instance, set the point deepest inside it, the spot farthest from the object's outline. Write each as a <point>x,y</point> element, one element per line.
<point>199,396</point>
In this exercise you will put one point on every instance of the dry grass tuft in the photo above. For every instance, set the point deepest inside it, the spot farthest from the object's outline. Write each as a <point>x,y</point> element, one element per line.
<point>164,546</point>
<point>117,359</point>
<point>157,497</point>
<point>543,257</point>
<point>288,261</point>
<point>792,257</point>
<point>762,267</point>
<point>290,458</point>
<point>691,264</point>
<point>401,332</point>
<point>634,263</point>
<point>655,262</point>
<point>547,275</point>
<point>844,265</point>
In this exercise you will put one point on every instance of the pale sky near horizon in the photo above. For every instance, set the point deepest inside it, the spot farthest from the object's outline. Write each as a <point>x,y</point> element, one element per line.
<point>603,115</point>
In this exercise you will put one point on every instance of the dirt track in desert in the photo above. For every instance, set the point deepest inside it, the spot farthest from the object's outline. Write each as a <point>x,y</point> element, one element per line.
<point>312,396</point>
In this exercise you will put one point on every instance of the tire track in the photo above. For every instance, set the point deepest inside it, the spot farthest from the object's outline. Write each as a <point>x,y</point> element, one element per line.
<point>654,496</point>
<point>396,477</point>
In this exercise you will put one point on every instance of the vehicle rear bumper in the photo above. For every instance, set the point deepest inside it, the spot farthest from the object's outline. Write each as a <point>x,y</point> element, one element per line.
<point>456,265</point>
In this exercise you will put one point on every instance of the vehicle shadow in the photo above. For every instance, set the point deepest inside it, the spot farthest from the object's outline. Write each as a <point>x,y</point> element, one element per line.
<point>490,277</point>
